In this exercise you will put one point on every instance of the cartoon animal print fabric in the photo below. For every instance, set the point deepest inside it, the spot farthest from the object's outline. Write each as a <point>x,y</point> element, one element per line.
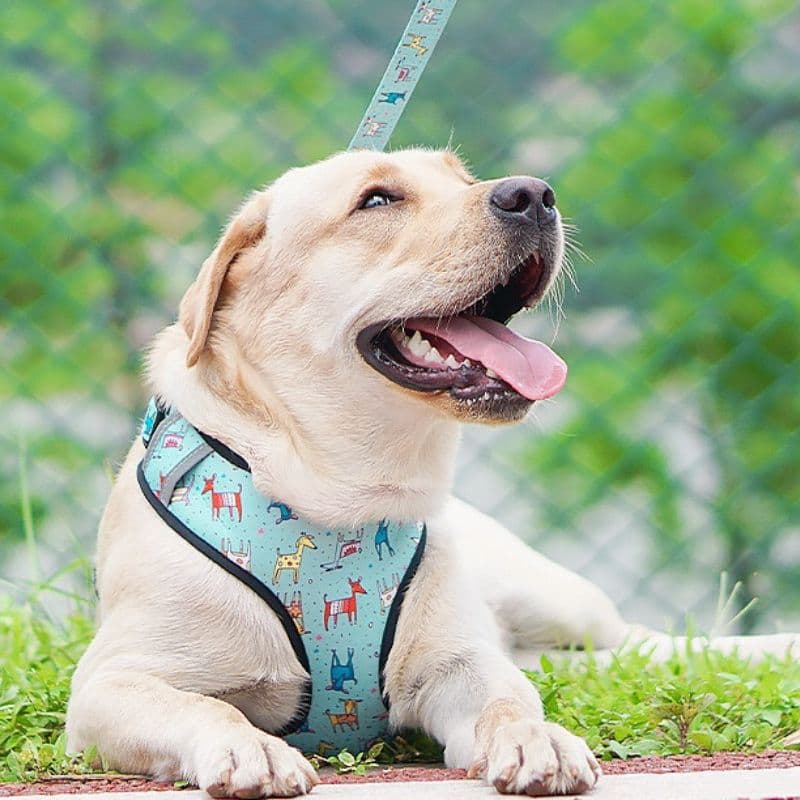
<point>337,592</point>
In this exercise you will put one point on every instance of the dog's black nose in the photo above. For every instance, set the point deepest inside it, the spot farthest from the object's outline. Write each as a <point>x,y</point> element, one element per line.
<point>529,201</point>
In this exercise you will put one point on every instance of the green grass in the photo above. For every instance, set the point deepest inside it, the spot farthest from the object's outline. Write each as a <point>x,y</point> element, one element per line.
<point>693,703</point>
<point>38,659</point>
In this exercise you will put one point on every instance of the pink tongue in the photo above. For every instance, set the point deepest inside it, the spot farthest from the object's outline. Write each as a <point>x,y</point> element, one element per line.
<point>531,367</point>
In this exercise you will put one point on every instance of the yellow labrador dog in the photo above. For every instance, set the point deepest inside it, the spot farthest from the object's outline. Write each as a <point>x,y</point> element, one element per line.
<point>351,316</point>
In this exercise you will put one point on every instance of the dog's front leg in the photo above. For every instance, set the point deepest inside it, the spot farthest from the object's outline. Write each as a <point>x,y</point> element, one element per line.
<point>521,754</point>
<point>140,724</point>
<point>492,724</point>
<point>448,675</point>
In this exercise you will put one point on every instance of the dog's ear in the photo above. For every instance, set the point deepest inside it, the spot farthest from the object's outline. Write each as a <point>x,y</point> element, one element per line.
<point>197,307</point>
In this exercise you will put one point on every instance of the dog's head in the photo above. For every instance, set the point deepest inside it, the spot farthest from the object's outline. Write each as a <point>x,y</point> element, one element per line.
<point>387,276</point>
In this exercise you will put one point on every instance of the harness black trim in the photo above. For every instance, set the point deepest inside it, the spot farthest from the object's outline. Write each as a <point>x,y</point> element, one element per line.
<point>394,612</point>
<point>224,451</point>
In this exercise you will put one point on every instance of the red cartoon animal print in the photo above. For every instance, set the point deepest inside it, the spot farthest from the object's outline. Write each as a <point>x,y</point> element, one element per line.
<point>345,546</point>
<point>172,439</point>
<point>344,605</point>
<point>219,500</point>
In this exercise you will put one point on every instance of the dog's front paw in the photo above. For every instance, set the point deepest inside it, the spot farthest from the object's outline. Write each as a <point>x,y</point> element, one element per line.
<point>249,763</point>
<point>537,758</point>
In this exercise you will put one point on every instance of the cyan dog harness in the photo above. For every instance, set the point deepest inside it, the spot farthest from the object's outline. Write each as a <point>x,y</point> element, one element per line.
<point>338,593</point>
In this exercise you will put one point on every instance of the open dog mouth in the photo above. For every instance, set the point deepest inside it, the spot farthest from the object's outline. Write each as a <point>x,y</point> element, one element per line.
<point>472,355</point>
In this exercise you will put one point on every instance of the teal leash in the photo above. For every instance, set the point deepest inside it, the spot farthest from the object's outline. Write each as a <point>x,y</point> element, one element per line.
<point>410,58</point>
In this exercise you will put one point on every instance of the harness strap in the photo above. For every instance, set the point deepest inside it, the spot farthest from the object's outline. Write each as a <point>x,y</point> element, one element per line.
<point>188,462</point>
<point>150,429</point>
<point>405,68</point>
<point>156,413</point>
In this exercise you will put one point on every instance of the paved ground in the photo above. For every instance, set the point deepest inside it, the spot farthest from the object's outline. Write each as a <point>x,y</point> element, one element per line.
<point>753,784</point>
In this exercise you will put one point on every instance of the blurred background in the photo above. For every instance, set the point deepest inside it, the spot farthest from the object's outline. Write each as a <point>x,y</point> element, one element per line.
<point>671,133</point>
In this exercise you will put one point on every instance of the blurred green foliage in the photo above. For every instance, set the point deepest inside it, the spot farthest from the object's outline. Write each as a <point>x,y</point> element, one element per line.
<point>671,132</point>
<point>698,187</point>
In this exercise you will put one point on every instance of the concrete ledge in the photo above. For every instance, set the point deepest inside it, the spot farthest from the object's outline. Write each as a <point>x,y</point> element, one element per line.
<point>752,784</point>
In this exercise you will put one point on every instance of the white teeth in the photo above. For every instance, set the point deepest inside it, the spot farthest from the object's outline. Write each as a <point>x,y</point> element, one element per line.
<point>434,356</point>
<point>491,373</point>
<point>467,362</point>
<point>418,345</point>
<point>486,395</point>
<point>422,348</point>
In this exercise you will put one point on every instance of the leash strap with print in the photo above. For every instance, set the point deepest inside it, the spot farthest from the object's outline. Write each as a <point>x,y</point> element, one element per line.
<point>403,73</point>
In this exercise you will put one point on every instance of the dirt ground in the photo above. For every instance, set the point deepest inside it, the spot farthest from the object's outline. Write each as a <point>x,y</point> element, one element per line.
<point>108,783</point>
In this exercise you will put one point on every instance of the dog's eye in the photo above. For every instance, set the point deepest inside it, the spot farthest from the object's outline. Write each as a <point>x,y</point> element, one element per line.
<point>375,199</point>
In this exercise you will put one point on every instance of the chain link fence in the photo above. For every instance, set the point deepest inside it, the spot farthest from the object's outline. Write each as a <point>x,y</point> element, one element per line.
<point>671,132</point>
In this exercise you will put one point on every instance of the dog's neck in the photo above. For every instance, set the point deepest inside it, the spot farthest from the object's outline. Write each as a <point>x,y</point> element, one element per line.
<point>332,462</point>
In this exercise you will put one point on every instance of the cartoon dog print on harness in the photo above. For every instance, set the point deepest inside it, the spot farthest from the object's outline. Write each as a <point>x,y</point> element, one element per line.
<point>382,538</point>
<point>295,609</point>
<point>220,500</point>
<point>240,557</point>
<point>284,512</point>
<point>344,605</point>
<point>341,672</point>
<point>345,546</point>
<point>348,716</point>
<point>173,440</point>
<point>387,592</point>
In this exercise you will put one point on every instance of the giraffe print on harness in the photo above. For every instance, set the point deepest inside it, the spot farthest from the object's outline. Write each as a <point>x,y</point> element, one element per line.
<point>292,561</point>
